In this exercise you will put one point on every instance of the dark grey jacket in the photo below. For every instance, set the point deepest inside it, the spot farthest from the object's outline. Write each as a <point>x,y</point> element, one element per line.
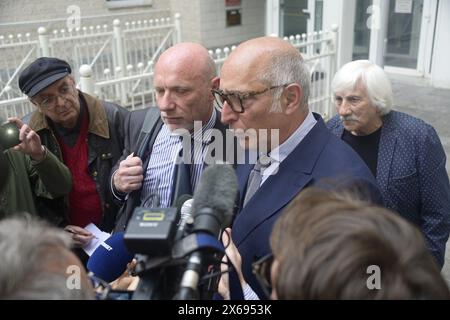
<point>142,127</point>
<point>106,143</point>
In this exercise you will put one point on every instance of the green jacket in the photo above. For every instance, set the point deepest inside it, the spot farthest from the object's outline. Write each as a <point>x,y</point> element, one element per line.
<point>29,183</point>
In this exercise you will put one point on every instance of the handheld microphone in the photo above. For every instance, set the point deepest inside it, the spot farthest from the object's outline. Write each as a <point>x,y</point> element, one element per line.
<point>184,207</point>
<point>110,259</point>
<point>214,199</point>
<point>212,210</point>
<point>9,135</point>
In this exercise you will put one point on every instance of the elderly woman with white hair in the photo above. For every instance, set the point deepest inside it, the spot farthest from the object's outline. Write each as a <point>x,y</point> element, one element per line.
<point>404,153</point>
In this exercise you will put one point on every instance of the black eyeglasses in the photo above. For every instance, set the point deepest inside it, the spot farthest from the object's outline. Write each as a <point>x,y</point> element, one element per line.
<point>65,92</point>
<point>262,269</point>
<point>236,100</point>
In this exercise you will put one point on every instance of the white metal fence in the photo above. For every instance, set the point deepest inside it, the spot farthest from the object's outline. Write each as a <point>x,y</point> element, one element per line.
<point>31,26</point>
<point>318,50</point>
<point>111,52</point>
<point>135,89</point>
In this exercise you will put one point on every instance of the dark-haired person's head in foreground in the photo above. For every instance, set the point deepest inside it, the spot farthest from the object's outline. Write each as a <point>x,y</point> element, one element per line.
<point>331,246</point>
<point>37,263</point>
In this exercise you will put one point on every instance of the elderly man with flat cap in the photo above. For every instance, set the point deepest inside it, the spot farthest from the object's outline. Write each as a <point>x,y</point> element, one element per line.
<point>83,132</point>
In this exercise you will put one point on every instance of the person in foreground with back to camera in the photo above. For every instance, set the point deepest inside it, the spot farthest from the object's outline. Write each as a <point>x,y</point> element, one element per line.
<point>403,152</point>
<point>330,245</point>
<point>264,89</point>
<point>29,173</point>
<point>86,134</point>
<point>37,263</point>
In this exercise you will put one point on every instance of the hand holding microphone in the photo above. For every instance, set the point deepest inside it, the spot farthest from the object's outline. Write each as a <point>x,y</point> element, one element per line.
<point>110,259</point>
<point>9,134</point>
<point>126,281</point>
<point>27,141</point>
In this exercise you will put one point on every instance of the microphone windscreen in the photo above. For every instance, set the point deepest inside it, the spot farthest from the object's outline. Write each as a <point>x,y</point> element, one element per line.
<point>217,190</point>
<point>186,209</point>
<point>110,259</point>
<point>181,200</point>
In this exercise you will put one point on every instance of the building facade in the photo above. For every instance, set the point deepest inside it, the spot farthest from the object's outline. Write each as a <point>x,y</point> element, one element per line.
<point>404,36</point>
<point>408,37</point>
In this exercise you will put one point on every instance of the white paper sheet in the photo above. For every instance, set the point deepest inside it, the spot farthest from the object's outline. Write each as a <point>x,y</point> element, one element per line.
<point>99,237</point>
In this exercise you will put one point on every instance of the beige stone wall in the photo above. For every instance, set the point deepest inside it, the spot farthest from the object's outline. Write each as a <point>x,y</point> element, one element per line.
<point>215,33</point>
<point>202,21</point>
<point>190,19</point>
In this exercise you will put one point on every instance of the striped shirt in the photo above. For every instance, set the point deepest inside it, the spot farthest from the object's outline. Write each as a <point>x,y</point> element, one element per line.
<point>159,176</point>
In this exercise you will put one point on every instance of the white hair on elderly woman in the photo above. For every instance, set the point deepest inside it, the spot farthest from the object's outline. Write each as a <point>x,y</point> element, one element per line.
<point>370,76</point>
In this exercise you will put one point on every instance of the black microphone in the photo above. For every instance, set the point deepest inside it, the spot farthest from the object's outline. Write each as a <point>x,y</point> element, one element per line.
<point>212,210</point>
<point>214,199</point>
<point>9,135</point>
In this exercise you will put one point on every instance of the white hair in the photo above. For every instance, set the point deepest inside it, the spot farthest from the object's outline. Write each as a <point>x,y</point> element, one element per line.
<point>372,77</point>
<point>30,250</point>
<point>286,68</point>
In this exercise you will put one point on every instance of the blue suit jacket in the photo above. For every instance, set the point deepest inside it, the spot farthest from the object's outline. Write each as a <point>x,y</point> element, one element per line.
<point>412,177</point>
<point>320,155</point>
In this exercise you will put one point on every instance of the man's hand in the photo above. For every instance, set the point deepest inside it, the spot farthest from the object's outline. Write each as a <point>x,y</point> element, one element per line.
<point>80,236</point>
<point>30,141</point>
<point>126,281</point>
<point>129,176</point>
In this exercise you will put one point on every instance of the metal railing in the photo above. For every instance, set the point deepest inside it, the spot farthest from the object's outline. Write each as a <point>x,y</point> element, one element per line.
<point>318,50</point>
<point>32,26</point>
<point>134,90</point>
<point>110,51</point>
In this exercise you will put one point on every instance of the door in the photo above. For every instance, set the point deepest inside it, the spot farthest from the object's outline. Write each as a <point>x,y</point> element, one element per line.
<point>294,17</point>
<point>361,39</point>
<point>403,33</point>
<point>401,39</point>
<point>291,17</point>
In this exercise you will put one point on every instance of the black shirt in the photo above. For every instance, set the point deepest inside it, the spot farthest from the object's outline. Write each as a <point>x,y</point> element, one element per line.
<point>366,147</point>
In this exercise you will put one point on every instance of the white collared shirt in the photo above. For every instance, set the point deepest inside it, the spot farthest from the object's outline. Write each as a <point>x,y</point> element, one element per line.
<point>281,152</point>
